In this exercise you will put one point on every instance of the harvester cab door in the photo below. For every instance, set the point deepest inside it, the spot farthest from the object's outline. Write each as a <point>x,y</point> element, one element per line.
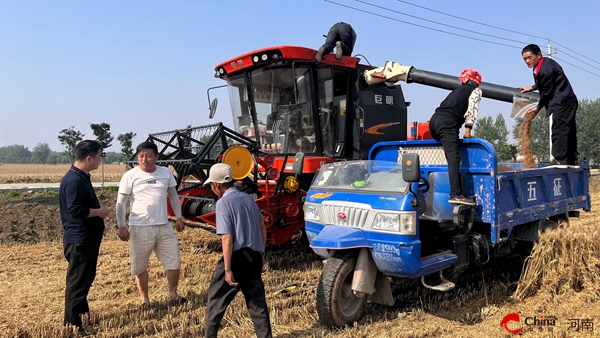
<point>334,104</point>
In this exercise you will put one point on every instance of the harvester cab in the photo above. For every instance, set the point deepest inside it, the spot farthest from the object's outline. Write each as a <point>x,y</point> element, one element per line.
<point>288,103</point>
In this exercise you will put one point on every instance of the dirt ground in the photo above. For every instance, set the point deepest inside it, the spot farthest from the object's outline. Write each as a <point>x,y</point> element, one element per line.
<point>32,217</point>
<point>32,283</point>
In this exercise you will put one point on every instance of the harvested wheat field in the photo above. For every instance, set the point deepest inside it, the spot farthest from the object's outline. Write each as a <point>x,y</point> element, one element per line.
<point>50,173</point>
<point>560,287</point>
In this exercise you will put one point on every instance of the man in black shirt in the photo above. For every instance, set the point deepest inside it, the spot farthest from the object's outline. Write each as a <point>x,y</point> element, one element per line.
<point>341,36</point>
<point>557,96</point>
<point>83,222</point>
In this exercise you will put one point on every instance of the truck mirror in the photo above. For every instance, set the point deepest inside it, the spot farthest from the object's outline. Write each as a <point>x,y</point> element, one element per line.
<point>298,164</point>
<point>213,107</point>
<point>411,168</point>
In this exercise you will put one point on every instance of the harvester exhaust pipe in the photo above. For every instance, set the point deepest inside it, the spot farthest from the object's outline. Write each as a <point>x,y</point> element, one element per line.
<point>393,72</point>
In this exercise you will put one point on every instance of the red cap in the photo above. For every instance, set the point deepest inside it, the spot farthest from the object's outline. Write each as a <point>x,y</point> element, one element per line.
<point>470,74</point>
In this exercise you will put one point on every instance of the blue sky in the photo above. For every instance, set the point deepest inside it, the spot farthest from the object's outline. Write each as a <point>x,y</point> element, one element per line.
<point>145,66</point>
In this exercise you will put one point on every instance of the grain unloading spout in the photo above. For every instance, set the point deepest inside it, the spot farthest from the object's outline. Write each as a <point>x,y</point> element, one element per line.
<point>393,72</point>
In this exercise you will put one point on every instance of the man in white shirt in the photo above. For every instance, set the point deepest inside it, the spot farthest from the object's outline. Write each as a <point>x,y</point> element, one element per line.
<point>147,187</point>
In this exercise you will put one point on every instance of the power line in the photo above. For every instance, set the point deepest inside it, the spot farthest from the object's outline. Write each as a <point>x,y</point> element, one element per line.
<point>439,23</point>
<point>459,28</point>
<point>585,70</point>
<point>576,52</point>
<point>496,27</point>
<point>578,59</point>
<point>473,21</point>
<point>421,26</point>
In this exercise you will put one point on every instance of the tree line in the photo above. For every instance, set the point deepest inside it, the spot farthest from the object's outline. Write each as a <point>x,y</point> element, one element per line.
<point>588,134</point>
<point>69,137</point>
<point>494,131</point>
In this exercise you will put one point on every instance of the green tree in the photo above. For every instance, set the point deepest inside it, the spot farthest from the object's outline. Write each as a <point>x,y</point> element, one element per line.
<point>104,137</point>
<point>69,138</point>
<point>41,151</point>
<point>15,153</point>
<point>539,136</point>
<point>126,143</point>
<point>102,133</point>
<point>588,129</point>
<point>57,158</point>
<point>496,133</point>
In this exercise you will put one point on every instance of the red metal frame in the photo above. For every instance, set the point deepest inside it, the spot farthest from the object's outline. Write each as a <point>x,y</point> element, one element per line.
<point>288,53</point>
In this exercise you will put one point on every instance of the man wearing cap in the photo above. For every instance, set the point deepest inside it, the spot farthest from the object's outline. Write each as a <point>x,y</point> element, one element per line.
<point>460,107</point>
<point>147,186</point>
<point>243,237</point>
<point>557,96</point>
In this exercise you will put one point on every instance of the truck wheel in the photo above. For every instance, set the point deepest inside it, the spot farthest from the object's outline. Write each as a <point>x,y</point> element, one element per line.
<point>336,303</point>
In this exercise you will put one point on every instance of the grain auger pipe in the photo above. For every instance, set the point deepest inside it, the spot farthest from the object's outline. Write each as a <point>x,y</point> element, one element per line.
<point>393,72</point>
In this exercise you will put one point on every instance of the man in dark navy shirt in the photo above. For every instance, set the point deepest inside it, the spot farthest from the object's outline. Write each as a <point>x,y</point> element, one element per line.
<point>557,96</point>
<point>83,222</point>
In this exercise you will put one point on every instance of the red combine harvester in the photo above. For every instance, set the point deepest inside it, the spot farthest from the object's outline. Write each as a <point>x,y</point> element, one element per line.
<point>291,115</point>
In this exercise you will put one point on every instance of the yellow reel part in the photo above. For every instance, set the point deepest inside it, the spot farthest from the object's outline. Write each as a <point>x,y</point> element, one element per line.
<point>240,160</point>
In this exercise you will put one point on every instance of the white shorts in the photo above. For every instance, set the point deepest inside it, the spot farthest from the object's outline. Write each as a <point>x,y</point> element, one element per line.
<point>158,238</point>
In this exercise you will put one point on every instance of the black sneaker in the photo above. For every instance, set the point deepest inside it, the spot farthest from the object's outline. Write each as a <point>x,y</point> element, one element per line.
<point>319,56</point>
<point>338,50</point>
<point>460,199</point>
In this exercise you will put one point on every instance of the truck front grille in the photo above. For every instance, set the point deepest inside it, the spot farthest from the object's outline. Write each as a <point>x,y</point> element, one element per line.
<point>346,215</point>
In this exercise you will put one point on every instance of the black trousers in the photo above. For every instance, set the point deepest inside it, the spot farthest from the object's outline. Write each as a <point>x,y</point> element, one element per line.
<point>81,272</point>
<point>343,32</point>
<point>246,266</point>
<point>443,128</point>
<point>564,135</point>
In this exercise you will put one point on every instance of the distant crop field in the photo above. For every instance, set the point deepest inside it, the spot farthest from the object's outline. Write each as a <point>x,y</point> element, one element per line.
<point>49,173</point>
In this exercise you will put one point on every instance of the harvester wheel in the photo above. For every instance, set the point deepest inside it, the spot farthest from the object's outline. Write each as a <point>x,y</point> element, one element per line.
<point>337,304</point>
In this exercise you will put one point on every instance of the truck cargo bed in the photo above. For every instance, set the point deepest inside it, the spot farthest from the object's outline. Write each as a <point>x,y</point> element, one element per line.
<point>506,195</point>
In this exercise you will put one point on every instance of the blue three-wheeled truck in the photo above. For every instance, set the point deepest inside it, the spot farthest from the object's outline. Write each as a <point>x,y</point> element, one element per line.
<point>388,218</point>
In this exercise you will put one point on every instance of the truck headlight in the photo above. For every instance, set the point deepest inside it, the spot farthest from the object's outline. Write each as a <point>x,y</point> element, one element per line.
<point>403,223</point>
<point>311,212</point>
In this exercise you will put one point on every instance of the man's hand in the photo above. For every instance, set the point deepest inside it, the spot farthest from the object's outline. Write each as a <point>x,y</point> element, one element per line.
<point>179,225</point>
<point>103,212</point>
<point>531,113</point>
<point>229,278</point>
<point>124,234</point>
<point>525,89</point>
<point>467,133</point>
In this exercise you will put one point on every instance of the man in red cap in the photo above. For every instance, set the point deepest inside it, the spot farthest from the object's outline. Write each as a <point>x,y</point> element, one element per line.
<point>460,107</point>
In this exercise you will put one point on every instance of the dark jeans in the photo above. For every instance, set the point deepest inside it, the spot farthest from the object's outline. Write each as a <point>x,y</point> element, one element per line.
<point>443,128</point>
<point>246,268</point>
<point>343,32</point>
<point>81,273</point>
<point>564,135</point>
